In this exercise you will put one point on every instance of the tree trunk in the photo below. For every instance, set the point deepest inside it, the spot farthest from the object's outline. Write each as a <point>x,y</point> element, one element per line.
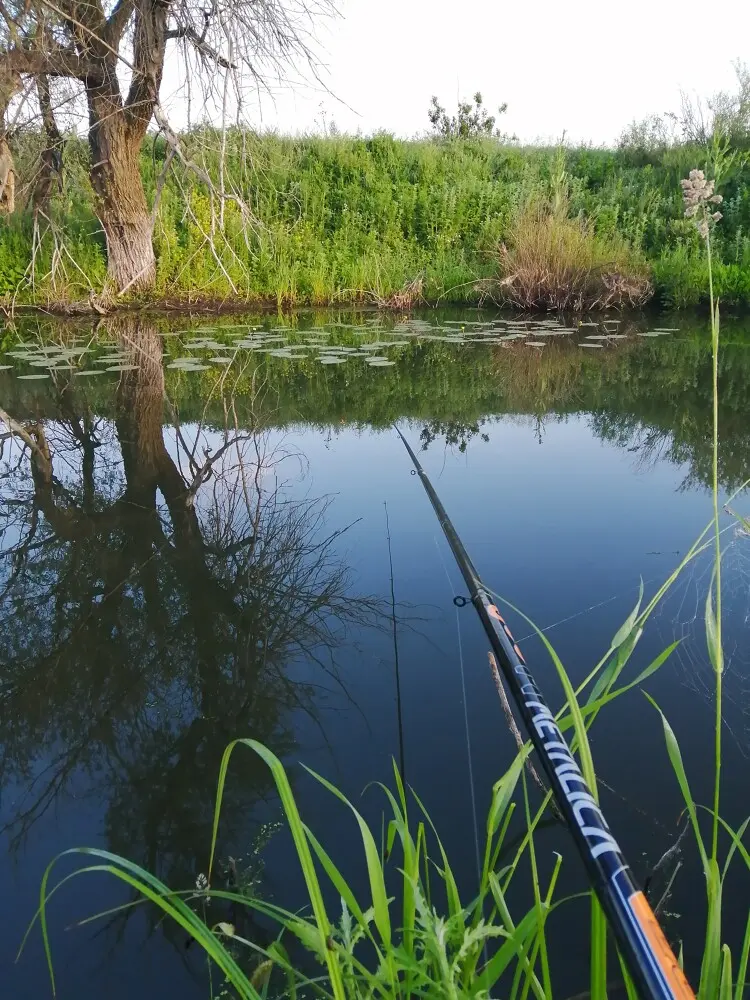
<point>120,198</point>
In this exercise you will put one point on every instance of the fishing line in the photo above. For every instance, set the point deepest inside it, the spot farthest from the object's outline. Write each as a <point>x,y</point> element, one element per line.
<point>578,614</point>
<point>644,948</point>
<point>402,765</point>
<point>466,721</point>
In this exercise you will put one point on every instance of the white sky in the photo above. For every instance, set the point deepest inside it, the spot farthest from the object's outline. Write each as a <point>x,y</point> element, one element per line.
<point>588,67</point>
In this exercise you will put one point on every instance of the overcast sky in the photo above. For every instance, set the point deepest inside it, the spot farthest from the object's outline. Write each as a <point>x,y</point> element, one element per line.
<point>584,66</point>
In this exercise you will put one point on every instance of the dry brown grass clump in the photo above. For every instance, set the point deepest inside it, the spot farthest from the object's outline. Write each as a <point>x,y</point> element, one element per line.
<point>554,262</point>
<point>410,295</point>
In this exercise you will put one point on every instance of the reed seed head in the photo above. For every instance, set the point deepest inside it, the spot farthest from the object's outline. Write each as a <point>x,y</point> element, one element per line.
<point>697,197</point>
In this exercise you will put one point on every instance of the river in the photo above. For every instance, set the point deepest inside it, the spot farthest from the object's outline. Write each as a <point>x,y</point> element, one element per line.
<point>198,547</point>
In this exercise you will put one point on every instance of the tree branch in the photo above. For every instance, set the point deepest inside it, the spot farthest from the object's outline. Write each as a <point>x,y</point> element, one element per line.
<point>118,21</point>
<point>191,35</point>
<point>52,60</point>
<point>20,431</point>
<point>149,46</point>
<point>52,132</point>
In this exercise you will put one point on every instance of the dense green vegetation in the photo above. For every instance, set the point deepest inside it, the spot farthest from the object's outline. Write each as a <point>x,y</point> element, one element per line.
<point>348,218</point>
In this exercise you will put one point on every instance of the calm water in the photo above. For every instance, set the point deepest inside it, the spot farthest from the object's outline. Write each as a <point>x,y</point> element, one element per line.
<point>199,551</point>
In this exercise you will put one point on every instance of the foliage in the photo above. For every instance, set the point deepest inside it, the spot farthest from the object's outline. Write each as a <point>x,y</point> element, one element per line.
<point>349,218</point>
<point>559,263</point>
<point>471,121</point>
<point>725,115</point>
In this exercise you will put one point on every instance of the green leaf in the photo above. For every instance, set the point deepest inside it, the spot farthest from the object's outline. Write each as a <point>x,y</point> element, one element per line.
<point>502,792</point>
<point>725,987</point>
<point>451,886</point>
<point>598,951</point>
<point>627,979</point>
<point>739,990</point>
<point>628,625</point>
<point>675,759</point>
<point>711,965</point>
<point>372,857</point>
<point>300,842</point>
<point>157,892</point>
<point>513,947</point>
<point>712,631</point>
<point>342,887</point>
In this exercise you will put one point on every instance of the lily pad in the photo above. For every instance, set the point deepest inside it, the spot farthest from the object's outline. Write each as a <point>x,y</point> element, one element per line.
<point>331,361</point>
<point>38,377</point>
<point>597,346</point>
<point>380,363</point>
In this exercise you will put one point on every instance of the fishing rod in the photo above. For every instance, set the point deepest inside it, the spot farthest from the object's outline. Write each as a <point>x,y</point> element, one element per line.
<point>645,950</point>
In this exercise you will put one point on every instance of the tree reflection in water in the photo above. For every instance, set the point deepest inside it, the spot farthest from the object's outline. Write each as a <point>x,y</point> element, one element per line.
<point>156,584</point>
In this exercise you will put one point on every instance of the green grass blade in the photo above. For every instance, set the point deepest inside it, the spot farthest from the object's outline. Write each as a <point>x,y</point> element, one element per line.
<point>739,989</point>
<point>520,936</point>
<point>713,643</point>
<point>631,991</point>
<point>502,792</point>
<point>725,987</point>
<point>300,842</point>
<point>629,624</point>
<point>342,887</point>
<point>451,886</point>
<point>711,966</point>
<point>737,845</point>
<point>598,951</point>
<point>411,861</point>
<point>153,889</point>
<point>582,743</point>
<point>675,758</point>
<point>590,710</point>
<point>372,858</point>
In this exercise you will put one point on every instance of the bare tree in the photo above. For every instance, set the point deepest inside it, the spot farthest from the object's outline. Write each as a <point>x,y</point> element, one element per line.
<point>115,51</point>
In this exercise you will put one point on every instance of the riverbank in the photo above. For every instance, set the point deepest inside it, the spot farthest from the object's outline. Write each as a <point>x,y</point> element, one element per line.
<point>320,221</point>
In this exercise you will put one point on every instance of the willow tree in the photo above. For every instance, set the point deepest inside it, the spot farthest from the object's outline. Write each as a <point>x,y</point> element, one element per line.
<point>114,52</point>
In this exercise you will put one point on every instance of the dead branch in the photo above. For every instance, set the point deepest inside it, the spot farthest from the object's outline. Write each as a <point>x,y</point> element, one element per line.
<point>200,43</point>
<point>22,432</point>
<point>513,726</point>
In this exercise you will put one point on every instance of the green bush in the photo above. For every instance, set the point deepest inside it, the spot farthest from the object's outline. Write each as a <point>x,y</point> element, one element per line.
<point>344,217</point>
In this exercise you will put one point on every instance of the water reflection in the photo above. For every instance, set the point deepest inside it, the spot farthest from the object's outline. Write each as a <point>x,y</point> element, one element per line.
<point>157,582</point>
<point>167,584</point>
